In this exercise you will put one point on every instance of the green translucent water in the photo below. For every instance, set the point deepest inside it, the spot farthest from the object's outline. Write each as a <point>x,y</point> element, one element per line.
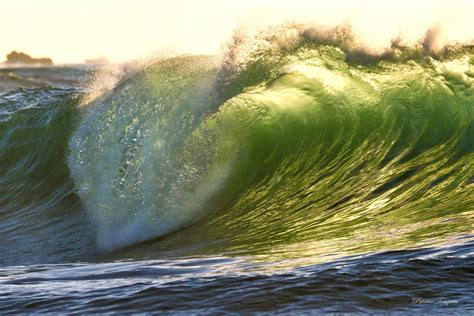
<point>318,156</point>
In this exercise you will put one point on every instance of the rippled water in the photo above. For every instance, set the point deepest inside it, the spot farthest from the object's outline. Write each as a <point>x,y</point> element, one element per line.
<point>422,280</point>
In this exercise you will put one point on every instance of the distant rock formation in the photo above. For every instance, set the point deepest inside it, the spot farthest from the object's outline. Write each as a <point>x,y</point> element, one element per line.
<point>22,58</point>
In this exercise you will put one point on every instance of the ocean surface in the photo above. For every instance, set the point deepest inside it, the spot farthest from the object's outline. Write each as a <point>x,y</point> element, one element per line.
<point>296,174</point>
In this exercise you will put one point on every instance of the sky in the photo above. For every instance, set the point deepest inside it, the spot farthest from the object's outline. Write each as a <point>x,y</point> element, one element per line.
<point>72,31</point>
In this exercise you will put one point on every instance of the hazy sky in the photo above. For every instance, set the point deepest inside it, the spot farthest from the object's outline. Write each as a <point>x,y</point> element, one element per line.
<point>71,31</point>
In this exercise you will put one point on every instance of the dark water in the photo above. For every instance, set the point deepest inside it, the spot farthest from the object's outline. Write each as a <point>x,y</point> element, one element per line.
<point>302,177</point>
<point>422,280</point>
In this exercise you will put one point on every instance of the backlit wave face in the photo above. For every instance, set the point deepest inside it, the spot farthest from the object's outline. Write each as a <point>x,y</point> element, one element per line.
<point>305,143</point>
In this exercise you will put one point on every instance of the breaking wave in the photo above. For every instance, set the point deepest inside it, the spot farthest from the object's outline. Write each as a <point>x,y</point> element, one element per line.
<point>297,135</point>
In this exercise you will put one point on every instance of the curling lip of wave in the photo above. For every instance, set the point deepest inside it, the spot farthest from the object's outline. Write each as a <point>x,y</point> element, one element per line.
<point>295,135</point>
